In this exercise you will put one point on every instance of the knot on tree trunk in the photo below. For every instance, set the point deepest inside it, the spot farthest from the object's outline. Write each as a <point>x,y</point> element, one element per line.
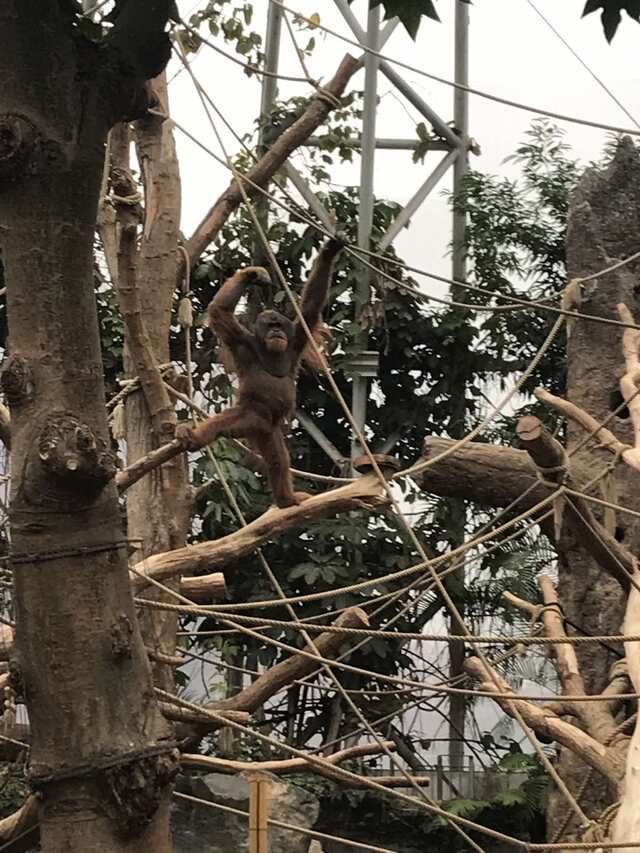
<point>17,380</point>
<point>136,789</point>
<point>22,148</point>
<point>70,451</point>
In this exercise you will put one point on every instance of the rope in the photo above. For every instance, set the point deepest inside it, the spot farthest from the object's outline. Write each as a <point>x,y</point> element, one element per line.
<point>391,679</point>
<point>403,522</point>
<point>583,63</point>
<point>459,86</point>
<point>356,251</point>
<point>370,782</point>
<point>476,639</point>
<point>311,833</point>
<point>266,567</point>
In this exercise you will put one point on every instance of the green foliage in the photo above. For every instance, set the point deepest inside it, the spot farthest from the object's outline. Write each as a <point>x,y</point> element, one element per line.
<point>231,21</point>
<point>517,810</point>
<point>611,14</point>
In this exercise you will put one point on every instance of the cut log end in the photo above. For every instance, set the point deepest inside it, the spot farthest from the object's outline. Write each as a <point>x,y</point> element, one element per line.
<point>388,465</point>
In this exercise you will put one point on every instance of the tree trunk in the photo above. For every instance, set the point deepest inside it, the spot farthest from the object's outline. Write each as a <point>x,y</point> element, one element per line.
<point>158,505</point>
<point>100,751</point>
<point>602,227</point>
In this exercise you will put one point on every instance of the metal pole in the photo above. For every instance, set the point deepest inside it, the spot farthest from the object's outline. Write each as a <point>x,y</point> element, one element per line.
<point>268,96</point>
<point>461,122</point>
<point>365,212</point>
<point>271,59</point>
<point>457,704</point>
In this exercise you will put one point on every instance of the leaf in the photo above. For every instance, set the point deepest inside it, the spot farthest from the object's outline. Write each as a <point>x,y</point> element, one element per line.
<point>612,13</point>
<point>410,12</point>
<point>314,20</point>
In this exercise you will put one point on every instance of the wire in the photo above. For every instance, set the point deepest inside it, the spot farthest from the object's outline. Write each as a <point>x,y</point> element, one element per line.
<point>356,251</point>
<point>459,86</point>
<point>587,68</point>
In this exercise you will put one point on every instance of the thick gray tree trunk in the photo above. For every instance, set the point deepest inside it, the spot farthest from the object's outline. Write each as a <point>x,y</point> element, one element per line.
<point>602,228</point>
<point>100,751</point>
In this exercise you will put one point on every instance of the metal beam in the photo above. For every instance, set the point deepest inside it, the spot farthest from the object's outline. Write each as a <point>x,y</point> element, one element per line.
<point>320,438</point>
<point>309,196</point>
<point>419,103</point>
<point>461,121</point>
<point>414,203</point>
<point>271,58</point>
<point>383,143</point>
<point>394,77</point>
<point>365,211</point>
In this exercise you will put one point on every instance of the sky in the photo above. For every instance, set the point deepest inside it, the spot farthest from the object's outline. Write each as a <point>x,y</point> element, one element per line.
<point>513,54</point>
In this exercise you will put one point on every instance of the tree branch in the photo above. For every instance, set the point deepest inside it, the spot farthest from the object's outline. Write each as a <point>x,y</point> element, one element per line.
<point>629,382</point>
<point>262,172</point>
<point>596,717</point>
<point>15,826</point>
<point>127,206</point>
<point>5,426</point>
<point>547,724</point>
<point>364,493</point>
<point>293,668</point>
<point>549,455</point>
<point>601,434</point>
<point>287,765</point>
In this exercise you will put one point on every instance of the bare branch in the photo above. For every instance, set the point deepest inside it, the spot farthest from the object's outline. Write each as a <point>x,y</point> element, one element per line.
<point>294,667</point>
<point>262,172</point>
<point>596,717</point>
<point>128,476</point>
<point>542,721</point>
<point>25,820</point>
<point>364,493</point>
<point>600,434</point>
<point>5,426</point>
<point>627,820</point>
<point>287,765</point>
<point>128,208</point>
<point>549,455</point>
<point>629,382</point>
<point>520,603</point>
<point>205,724</point>
<point>204,588</point>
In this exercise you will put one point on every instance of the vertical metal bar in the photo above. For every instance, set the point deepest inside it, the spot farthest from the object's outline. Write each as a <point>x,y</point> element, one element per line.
<point>271,59</point>
<point>458,704</point>
<point>461,122</point>
<point>365,212</point>
<point>439,774</point>
<point>268,96</point>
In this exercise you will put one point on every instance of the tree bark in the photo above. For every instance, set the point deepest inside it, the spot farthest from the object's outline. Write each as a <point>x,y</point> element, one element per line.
<point>100,752</point>
<point>158,505</point>
<point>602,227</point>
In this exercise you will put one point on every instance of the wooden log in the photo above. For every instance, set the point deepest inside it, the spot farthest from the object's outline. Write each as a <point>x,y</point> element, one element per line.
<point>294,667</point>
<point>204,588</point>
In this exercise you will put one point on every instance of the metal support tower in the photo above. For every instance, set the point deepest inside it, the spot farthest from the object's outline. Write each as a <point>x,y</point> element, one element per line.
<point>452,142</point>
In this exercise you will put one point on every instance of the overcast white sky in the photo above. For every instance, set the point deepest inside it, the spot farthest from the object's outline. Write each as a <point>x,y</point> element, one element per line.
<point>512,54</point>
